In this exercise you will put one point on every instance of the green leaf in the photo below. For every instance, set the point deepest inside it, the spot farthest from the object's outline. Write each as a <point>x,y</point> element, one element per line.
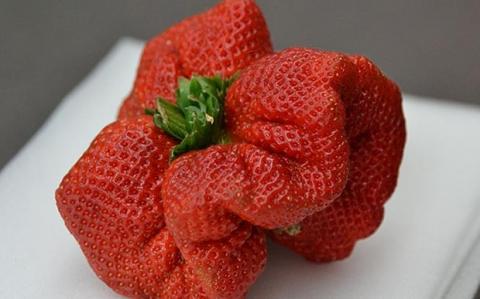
<point>170,119</point>
<point>197,117</point>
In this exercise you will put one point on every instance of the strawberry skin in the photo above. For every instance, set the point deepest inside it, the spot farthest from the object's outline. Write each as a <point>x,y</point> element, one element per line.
<point>376,134</point>
<point>288,159</point>
<point>306,146</point>
<point>317,141</point>
<point>111,202</point>
<point>222,40</point>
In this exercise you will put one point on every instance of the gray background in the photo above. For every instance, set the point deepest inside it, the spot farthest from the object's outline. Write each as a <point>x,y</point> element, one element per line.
<point>46,47</point>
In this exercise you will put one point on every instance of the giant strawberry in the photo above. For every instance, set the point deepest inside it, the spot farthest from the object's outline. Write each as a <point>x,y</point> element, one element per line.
<point>111,202</point>
<point>220,41</point>
<point>304,143</point>
<point>376,134</point>
<point>288,156</point>
<point>310,149</point>
<point>306,126</point>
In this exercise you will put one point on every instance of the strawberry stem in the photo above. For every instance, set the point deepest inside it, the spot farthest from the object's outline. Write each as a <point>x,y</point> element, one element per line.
<point>291,230</point>
<point>197,117</point>
<point>170,119</point>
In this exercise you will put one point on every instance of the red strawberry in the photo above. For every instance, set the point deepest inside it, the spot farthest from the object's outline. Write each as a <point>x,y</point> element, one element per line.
<point>157,76</point>
<point>316,142</point>
<point>376,134</point>
<point>289,158</point>
<point>222,40</point>
<point>111,202</point>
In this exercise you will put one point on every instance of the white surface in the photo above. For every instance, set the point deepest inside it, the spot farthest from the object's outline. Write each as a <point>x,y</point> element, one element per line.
<point>430,227</point>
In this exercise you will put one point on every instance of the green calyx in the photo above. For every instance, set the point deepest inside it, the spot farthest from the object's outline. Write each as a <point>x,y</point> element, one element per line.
<point>291,230</point>
<point>197,117</point>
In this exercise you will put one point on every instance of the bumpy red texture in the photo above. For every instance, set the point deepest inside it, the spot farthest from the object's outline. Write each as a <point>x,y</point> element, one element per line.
<point>289,159</point>
<point>294,116</point>
<point>222,40</point>
<point>111,202</point>
<point>317,140</point>
<point>290,156</point>
<point>376,134</point>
